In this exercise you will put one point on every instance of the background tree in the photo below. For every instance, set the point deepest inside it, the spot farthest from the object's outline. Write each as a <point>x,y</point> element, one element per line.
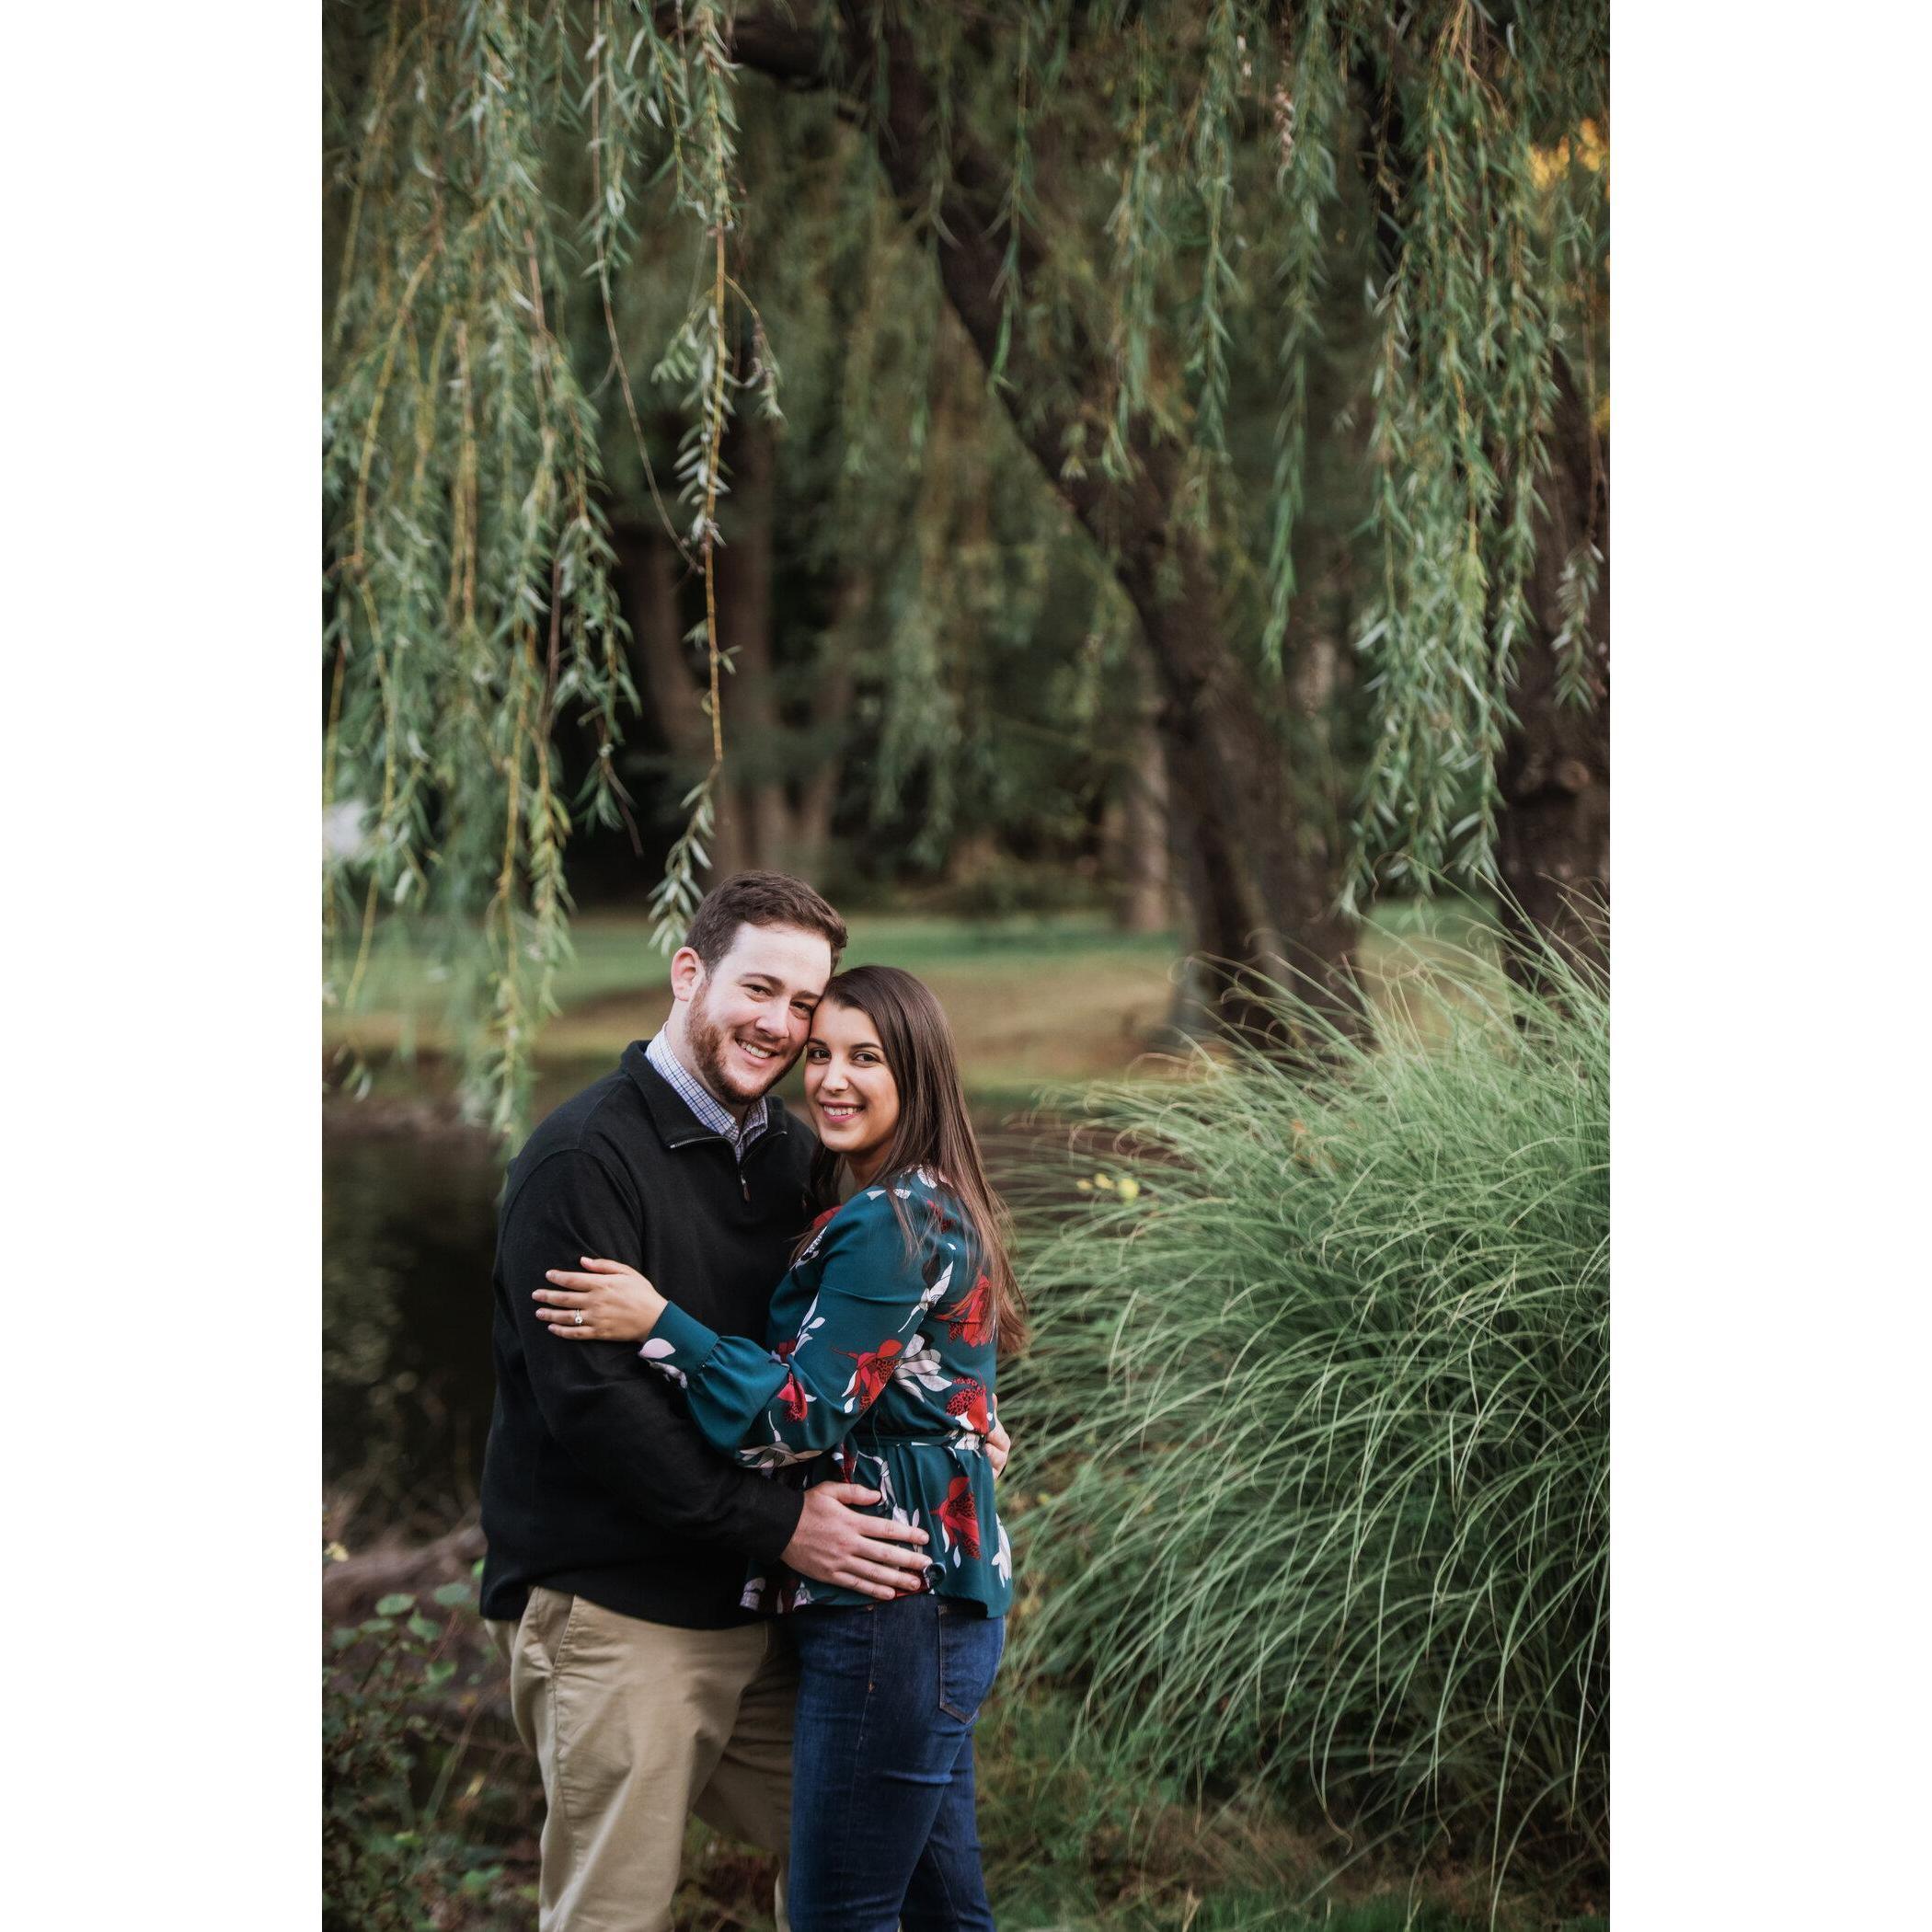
<point>1289,314</point>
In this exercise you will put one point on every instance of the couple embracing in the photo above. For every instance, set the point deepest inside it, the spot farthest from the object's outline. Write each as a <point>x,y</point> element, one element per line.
<point>744,1557</point>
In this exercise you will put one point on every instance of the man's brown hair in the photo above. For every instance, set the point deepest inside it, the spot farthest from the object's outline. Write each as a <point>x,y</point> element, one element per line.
<point>760,899</point>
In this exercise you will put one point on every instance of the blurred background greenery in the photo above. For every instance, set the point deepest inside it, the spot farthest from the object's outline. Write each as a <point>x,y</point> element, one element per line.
<point>1135,478</point>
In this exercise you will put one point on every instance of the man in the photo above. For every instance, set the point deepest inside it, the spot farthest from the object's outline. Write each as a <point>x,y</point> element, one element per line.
<point>618,1539</point>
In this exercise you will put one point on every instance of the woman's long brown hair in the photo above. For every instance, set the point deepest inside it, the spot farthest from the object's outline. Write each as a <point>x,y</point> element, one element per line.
<point>934,1130</point>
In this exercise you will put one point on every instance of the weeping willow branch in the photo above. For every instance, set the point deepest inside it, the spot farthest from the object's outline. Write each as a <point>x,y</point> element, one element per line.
<point>470,605</point>
<point>1308,111</point>
<point>1463,393</point>
<point>1214,158</point>
<point>1135,229</point>
<point>703,354</point>
<point>616,97</point>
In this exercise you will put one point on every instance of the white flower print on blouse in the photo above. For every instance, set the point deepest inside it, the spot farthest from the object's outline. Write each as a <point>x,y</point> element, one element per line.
<point>920,1367</point>
<point>654,1352</point>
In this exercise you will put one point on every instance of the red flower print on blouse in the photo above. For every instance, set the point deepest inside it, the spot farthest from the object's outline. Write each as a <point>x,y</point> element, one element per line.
<point>960,1518</point>
<point>970,1320</point>
<point>967,1402</point>
<point>873,1373</point>
<point>792,1395</point>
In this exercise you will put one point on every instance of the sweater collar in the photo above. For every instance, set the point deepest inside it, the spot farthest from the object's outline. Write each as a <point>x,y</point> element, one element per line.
<point>677,1125</point>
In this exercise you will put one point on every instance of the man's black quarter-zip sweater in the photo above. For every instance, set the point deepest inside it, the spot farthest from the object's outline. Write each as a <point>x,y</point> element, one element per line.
<point>596,1481</point>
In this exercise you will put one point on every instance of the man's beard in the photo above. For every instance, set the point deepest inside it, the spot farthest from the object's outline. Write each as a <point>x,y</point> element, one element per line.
<point>710,1046</point>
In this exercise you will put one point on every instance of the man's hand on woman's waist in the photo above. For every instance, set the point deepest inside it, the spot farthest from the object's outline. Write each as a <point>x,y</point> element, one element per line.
<point>835,1544</point>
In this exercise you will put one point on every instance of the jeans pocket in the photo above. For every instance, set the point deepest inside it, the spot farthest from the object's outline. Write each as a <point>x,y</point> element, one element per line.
<point>970,1647</point>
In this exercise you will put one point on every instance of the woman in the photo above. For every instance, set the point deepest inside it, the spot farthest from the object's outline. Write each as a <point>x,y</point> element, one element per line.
<point>881,1369</point>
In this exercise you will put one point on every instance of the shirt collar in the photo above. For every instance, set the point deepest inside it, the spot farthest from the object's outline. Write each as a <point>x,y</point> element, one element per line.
<point>711,1111</point>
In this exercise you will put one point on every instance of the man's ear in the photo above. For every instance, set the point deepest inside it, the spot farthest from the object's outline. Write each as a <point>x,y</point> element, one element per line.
<point>687,972</point>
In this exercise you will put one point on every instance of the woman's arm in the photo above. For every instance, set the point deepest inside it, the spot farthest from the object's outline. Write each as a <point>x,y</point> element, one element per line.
<point>618,1303</point>
<point>793,1402</point>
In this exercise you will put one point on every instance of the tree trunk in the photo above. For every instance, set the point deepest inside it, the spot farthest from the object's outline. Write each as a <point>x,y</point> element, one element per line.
<point>647,591</point>
<point>730,849</point>
<point>1554,844</point>
<point>751,772</point>
<point>1145,900</point>
<point>1261,907</point>
<point>831,702</point>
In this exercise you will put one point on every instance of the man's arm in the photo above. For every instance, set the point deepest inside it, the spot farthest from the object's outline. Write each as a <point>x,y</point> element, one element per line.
<point>621,1424</point>
<point>628,1430</point>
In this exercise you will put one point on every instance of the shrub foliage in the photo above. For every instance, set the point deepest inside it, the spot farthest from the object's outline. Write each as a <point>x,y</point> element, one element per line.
<point>401,1852</point>
<point>1321,1377</point>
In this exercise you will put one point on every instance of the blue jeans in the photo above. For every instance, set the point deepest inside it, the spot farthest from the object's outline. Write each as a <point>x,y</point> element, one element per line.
<point>882,1828</point>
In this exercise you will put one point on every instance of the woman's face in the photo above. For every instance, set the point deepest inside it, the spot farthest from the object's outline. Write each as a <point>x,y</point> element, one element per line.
<point>854,1099</point>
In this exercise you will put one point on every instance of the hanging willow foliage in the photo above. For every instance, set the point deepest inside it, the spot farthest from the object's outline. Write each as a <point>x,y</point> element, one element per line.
<point>469,600</point>
<point>470,605</point>
<point>1199,220</point>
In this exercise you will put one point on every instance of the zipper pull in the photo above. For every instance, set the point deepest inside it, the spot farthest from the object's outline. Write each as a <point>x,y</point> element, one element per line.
<point>744,1187</point>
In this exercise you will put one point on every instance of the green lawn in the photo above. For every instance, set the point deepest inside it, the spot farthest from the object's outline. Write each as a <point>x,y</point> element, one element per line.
<point>1035,1000</point>
<point>1032,1000</point>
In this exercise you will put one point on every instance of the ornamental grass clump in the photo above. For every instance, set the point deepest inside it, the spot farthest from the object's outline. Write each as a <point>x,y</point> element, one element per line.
<point>1321,1382</point>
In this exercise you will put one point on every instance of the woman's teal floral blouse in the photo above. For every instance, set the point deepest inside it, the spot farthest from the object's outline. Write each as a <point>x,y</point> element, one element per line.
<point>881,1372</point>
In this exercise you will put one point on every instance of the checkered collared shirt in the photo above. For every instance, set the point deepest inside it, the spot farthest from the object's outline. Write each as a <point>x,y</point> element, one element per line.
<point>699,1098</point>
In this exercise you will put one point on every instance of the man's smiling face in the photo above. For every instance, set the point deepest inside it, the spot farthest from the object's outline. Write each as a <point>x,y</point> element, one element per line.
<point>745,1020</point>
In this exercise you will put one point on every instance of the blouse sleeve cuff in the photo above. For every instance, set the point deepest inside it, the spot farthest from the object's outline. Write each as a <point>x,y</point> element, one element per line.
<point>679,1340</point>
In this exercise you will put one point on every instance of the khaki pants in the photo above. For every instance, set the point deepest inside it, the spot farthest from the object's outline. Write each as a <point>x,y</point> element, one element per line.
<point>635,1726</point>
